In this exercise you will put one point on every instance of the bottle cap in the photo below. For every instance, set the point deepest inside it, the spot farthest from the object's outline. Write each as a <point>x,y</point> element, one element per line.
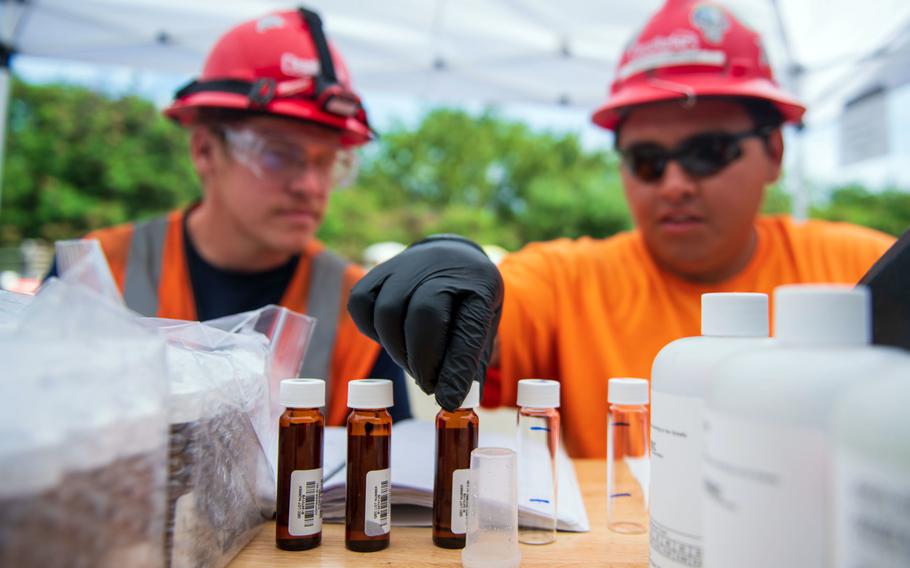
<point>370,393</point>
<point>822,314</point>
<point>734,315</point>
<point>538,393</point>
<point>302,393</point>
<point>627,391</point>
<point>472,400</point>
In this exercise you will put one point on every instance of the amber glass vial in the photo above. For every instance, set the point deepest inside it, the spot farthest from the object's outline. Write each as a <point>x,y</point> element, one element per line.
<point>368,518</point>
<point>300,439</point>
<point>456,438</point>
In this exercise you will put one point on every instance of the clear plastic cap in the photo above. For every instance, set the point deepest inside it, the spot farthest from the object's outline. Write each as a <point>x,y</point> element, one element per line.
<point>734,315</point>
<point>302,393</point>
<point>491,538</point>
<point>627,391</point>
<point>538,393</point>
<point>822,314</point>
<point>370,393</point>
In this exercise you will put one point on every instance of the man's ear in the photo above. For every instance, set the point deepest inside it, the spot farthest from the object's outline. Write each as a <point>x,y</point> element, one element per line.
<point>204,148</point>
<point>775,150</point>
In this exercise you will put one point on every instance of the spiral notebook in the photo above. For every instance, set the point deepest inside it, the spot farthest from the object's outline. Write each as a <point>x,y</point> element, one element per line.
<point>413,444</point>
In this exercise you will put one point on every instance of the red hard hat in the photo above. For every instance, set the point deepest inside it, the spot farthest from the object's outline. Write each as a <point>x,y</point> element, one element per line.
<point>693,48</point>
<point>279,64</point>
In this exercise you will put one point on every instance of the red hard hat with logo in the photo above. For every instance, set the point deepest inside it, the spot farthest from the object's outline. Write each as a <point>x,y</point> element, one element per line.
<point>280,64</point>
<point>690,49</point>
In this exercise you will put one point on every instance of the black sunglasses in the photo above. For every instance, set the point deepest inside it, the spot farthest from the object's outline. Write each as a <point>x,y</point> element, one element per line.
<point>700,156</point>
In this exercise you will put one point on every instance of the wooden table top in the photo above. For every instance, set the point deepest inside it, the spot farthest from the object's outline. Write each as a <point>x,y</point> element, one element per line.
<point>414,546</point>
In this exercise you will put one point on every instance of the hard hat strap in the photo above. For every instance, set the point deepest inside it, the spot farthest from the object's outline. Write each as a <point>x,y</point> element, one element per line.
<point>327,75</point>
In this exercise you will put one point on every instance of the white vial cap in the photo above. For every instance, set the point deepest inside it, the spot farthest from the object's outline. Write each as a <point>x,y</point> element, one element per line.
<point>627,391</point>
<point>734,315</point>
<point>538,393</point>
<point>370,393</point>
<point>473,398</point>
<point>302,393</point>
<point>822,314</point>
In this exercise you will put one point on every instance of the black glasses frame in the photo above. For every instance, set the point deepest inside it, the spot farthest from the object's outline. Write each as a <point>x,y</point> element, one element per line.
<point>700,156</point>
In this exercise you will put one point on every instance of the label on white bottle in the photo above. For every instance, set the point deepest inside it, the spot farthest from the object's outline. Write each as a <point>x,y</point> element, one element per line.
<point>765,493</point>
<point>872,513</point>
<point>376,521</point>
<point>676,481</point>
<point>460,487</point>
<point>305,502</point>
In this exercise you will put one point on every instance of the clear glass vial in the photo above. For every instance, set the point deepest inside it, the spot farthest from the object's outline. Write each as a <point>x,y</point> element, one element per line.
<point>538,442</point>
<point>628,456</point>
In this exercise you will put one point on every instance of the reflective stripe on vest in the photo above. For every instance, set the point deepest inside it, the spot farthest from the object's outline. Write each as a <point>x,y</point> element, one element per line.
<point>143,271</point>
<point>143,266</point>
<point>324,304</point>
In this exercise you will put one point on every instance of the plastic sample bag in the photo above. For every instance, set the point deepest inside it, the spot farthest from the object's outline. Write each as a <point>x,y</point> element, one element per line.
<point>83,436</point>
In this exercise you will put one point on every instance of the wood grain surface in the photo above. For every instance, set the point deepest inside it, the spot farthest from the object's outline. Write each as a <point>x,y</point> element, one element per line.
<point>414,547</point>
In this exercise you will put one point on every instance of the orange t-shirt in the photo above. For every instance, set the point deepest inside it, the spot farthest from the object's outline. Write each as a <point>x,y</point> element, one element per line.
<point>584,311</point>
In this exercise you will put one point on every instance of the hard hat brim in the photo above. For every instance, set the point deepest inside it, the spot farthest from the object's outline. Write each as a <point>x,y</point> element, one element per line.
<point>648,91</point>
<point>353,131</point>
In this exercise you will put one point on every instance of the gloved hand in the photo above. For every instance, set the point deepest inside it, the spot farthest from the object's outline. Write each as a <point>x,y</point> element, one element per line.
<point>435,309</point>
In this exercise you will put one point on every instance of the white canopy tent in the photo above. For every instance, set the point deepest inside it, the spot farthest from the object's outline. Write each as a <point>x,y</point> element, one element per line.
<point>530,51</point>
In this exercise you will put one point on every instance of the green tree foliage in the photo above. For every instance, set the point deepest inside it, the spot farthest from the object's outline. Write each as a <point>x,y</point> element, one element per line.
<point>78,160</point>
<point>483,176</point>
<point>887,210</point>
<point>776,201</point>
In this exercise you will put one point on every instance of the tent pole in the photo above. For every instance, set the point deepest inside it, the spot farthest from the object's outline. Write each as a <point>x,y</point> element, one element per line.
<point>794,73</point>
<point>5,56</point>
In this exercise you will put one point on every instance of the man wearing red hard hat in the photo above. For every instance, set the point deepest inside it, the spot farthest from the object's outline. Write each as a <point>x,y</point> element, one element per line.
<point>273,121</point>
<point>696,115</point>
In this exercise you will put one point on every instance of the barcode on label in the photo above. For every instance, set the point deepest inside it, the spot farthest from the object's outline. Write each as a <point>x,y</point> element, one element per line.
<point>460,490</point>
<point>384,502</point>
<point>378,515</point>
<point>309,504</point>
<point>305,510</point>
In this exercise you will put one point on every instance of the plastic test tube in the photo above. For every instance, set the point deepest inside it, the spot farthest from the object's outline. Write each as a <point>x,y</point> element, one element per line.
<point>367,508</point>
<point>628,456</point>
<point>538,441</point>
<point>300,439</point>
<point>491,540</point>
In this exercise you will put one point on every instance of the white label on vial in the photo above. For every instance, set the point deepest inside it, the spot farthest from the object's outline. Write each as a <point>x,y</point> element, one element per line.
<point>676,480</point>
<point>305,507</point>
<point>376,521</point>
<point>872,514</point>
<point>765,493</point>
<point>460,487</point>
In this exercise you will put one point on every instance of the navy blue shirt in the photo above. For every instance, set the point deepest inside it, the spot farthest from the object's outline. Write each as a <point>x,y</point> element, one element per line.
<point>219,292</point>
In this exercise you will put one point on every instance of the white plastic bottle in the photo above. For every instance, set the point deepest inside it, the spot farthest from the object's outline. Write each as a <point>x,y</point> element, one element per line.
<point>730,323</point>
<point>766,459</point>
<point>871,440</point>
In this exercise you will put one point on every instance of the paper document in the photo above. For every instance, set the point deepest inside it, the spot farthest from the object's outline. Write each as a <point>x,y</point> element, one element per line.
<point>413,462</point>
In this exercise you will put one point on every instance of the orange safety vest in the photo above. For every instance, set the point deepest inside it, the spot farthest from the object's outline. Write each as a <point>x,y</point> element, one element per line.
<point>149,265</point>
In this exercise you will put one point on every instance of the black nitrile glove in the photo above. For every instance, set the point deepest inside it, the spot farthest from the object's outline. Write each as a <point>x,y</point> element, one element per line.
<point>435,309</point>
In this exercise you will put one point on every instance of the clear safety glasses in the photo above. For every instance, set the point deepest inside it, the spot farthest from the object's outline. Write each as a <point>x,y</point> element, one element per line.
<point>275,160</point>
